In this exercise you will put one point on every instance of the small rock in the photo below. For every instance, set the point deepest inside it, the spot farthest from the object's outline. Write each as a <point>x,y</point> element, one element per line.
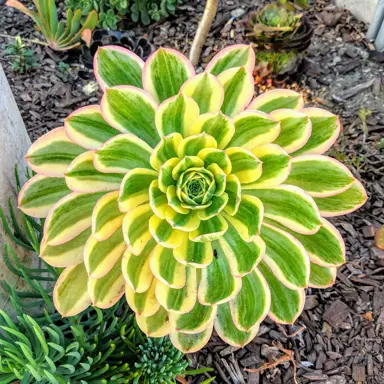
<point>336,60</point>
<point>263,330</point>
<point>254,378</point>
<point>378,301</point>
<point>25,97</point>
<point>207,51</point>
<point>238,12</point>
<point>321,360</point>
<point>90,88</point>
<point>327,329</point>
<point>380,320</point>
<point>363,53</point>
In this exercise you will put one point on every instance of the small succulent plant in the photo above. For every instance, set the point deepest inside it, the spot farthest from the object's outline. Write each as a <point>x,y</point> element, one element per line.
<point>22,58</point>
<point>204,205</point>
<point>147,10</point>
<point>102,38</point>
<point>280,34</point>
<point>111,12</point>
<point>274,20</point>
<point>159,361</point>
<point>59,36</point>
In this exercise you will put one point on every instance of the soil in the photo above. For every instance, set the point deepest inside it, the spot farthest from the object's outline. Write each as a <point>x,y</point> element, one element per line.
<point>339,337</point>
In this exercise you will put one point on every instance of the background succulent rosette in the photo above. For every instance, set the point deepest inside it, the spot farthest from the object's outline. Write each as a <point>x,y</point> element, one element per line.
<point>204,207</point>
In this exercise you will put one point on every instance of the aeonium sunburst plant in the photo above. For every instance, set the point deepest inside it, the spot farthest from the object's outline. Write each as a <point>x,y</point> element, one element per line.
<point>205,206</point>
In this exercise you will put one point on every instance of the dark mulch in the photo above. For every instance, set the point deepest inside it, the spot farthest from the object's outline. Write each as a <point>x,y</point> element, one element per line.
<point>339,337</point>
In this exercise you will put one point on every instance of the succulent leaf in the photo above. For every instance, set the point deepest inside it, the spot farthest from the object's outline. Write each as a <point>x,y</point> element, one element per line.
<point>71,294</point>
<point>189,343</point>
<point>252,303</point>
<point>227,330</point>
<point>131,110</point>
<point>52,153</point>
<point>107,290</point>
<point>206,90</point>
<point>238,90</point>
<point>58,37</point>
<point>277,99</point>
<point>322,277</point>
<point>253,129</point>
<point>82,176</point>
<point>115,65</point>
<point>343,203</point>
<point>320,176</point>
<point>40,193</point>
<point>295,129</point>
<point>143,303</point>
<point>176,114</point>
<point>231,57</point>
<point>87,128</point>
<point>165,72</point>
<point>325,131</point>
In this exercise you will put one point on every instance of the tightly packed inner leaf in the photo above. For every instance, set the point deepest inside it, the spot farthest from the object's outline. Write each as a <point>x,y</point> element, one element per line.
<point>204,207</point>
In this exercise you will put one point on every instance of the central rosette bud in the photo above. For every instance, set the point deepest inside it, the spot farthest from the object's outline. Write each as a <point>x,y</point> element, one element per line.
<point>197,191</point>
<point>195,188</point>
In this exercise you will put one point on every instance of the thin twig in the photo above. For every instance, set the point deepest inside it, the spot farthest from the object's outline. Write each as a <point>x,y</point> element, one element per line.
<point>301,329</point>
<point>288,356</point>
<point>27,40</point>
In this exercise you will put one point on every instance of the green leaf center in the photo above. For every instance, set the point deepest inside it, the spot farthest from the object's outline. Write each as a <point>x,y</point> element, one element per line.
<point>195,187</point>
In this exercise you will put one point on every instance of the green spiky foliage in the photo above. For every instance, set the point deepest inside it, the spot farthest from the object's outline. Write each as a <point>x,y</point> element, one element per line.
<point>159,361</point>
<point>94,346</point>
<point>55,354</point>
<point>60,35</point>
<point>112,11</point>
<point>44,347</point>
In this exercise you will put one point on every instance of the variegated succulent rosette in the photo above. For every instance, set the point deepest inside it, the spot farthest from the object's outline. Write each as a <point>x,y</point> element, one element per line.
<point>204,207</point>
